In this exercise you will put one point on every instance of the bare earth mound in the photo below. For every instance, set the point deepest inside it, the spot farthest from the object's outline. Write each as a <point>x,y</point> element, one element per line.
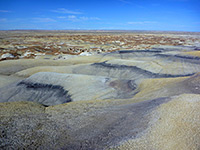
<point>98,91</point>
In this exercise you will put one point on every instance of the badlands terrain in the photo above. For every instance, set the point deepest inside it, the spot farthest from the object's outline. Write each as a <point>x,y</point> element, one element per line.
<point>99,90</point>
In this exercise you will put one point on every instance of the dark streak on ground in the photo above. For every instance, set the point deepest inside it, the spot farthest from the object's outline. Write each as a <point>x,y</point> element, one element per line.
<point>115,125</point>
<point>190,59</point>
<point>139,51</point>
<point>187,57</point>
<point>46,90</point>
<point>39,86</point>
<point>139,70</point>
<point>197,49</point>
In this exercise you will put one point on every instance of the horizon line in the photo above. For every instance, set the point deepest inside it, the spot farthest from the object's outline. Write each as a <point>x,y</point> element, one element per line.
<point>95,30</point>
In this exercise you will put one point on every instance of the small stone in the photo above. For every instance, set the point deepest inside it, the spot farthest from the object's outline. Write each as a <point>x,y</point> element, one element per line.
<point>7,55</point>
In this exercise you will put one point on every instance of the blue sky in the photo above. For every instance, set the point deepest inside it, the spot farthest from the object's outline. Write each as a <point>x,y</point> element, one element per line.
<point>173,15</point>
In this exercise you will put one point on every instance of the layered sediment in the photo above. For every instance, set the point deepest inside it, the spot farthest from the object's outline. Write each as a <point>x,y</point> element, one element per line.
<point>139,99</point>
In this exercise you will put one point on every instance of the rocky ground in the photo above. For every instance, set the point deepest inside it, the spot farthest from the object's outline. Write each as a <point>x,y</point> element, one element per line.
<point>123,90</point>
<point>37,44</point>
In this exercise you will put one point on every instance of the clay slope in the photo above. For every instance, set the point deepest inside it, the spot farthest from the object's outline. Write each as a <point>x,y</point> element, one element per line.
<point>141,100</point>
<point>103,125</point>
<point>159,123</point>
<point>56,88</point>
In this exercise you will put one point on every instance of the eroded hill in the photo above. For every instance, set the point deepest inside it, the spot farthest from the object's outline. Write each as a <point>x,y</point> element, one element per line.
<point>143,98</point>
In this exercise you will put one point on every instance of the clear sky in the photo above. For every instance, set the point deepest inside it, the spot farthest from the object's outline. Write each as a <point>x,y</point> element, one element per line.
<point>173,15</point>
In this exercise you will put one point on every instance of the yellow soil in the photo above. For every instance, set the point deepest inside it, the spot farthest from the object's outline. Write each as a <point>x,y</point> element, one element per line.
<point>177,127</point>
<point>193,53</point>
<point>20,107</point>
